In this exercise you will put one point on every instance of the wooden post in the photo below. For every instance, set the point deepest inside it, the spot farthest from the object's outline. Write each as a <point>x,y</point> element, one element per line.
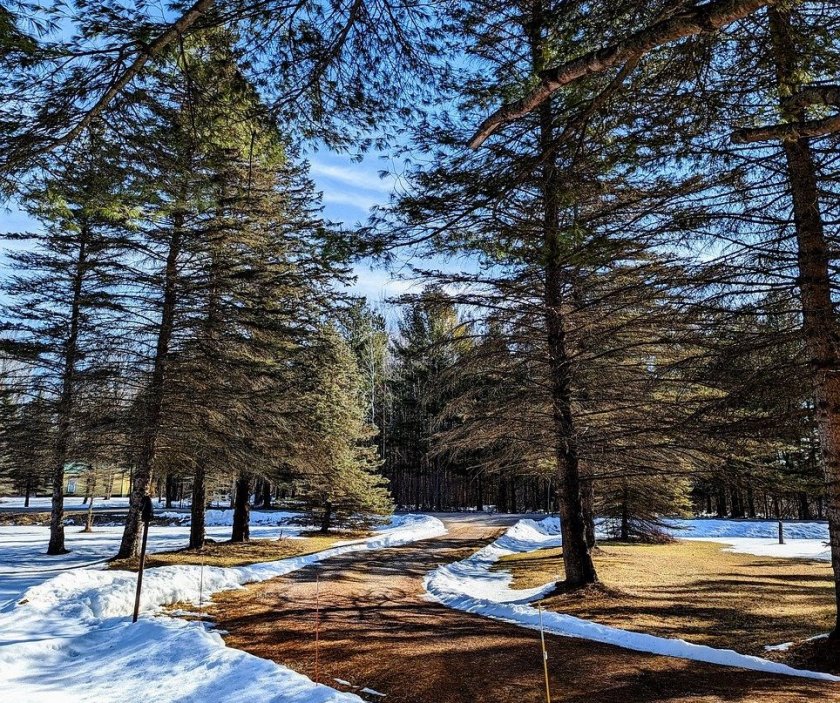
<point>317,622</point>
<point>781,533</point>
<point>145,517</point>
<point>545,659</point>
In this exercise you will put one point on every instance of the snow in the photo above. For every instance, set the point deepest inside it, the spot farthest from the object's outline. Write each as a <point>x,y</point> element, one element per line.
<point>70,502</point>
<point>703,528</point>
<point>23,562</point>
<point>70,638</point>
<point>471,586</point>
<point>224,518</point>
<point>803,540</point>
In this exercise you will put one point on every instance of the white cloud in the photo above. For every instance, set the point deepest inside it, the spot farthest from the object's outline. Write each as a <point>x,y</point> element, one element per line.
<point>355,176</point>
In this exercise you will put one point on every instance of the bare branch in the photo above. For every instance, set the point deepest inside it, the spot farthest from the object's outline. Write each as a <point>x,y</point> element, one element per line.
<point>151,50</point>
<point>704,19</point>
<point>790,131</point>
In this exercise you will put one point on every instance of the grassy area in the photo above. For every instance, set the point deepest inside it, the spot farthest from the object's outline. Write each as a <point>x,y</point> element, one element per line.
<point>694,591</point>
<point>242,553</point>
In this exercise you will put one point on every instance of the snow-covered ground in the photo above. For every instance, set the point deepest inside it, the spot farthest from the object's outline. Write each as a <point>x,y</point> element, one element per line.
<point>803,540</point>
<point>470,585</point>
<point>70,637</point>
<point>70,502</point>
<point>218,517</point>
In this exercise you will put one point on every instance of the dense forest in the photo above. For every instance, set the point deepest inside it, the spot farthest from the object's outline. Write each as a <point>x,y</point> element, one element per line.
<point>644,198</point>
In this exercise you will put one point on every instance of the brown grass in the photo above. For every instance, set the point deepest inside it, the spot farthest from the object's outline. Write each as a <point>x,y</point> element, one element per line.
<point>694,591</point>
<point>242,553</point>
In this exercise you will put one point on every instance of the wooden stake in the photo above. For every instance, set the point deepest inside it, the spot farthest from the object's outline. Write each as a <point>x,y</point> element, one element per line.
<point>140,572</point>
<point>545,659</point>
<point>317,621</point>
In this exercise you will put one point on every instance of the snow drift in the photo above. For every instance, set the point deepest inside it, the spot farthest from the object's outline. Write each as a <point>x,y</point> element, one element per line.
<point>70,638</point>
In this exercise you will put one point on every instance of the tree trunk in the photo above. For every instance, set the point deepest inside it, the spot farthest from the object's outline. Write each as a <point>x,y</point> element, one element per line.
<point>198,509</point>
<point>750,501</point>
<point>27,491</point>
<point>266,494</point>
<point>721,500</point>
<point>819,322</point>
<point>130,544</point>
<point>625,516</point>
<point>65,404</point>
<point>326,518</point>
<point>242,509</point>
<point>170,490</point>
<point>577,559</point>
<point>588,492</point>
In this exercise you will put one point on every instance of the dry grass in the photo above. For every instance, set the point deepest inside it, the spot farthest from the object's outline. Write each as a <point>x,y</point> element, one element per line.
<point>242,553</point>
<point>694,591</point>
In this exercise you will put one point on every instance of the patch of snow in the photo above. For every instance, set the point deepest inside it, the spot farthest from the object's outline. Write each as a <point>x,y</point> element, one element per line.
<point>371,692</point>
<point>71,638</point>
<point>783,647</point>
<point>704,528</point>
<point>471,586</point>
<point>816,549</point>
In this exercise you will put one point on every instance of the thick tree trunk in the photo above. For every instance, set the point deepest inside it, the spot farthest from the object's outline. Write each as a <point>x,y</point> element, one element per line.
<point>819,321</point>
<point>242,509</point>
<point>577,559</point>
<point>142,481</point>
<point>65,404</point>
<point>198,509</point>
<point>266,494</point>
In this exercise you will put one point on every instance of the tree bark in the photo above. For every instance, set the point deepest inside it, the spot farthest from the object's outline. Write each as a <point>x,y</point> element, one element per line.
<point>65,404</point>
<point>326,518</point>
<point>266,494</point>
<point>580,570</point>
<point>130,544</point>
<point>819,321</point>
<point>242,509</point>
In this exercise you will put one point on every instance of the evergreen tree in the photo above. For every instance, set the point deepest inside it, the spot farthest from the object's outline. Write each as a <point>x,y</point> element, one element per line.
<point>64,313</point>
<point>340,483</point>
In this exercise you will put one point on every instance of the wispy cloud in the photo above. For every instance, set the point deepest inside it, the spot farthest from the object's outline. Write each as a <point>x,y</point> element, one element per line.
<point>355,176</point>
<point>359,201</point>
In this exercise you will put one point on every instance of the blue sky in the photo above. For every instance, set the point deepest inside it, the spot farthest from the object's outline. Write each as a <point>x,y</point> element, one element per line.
<point>350,189</point>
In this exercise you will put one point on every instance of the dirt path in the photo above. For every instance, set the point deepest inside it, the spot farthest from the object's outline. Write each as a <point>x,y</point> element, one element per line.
<point>378,631</point>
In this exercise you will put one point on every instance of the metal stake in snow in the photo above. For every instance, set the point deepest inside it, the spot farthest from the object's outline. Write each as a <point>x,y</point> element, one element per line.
<point>145,516</point>
<point>545,659</point>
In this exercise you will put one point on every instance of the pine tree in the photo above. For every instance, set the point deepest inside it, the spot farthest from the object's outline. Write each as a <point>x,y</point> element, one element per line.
<point>64,312</point>
<point>340,483</point>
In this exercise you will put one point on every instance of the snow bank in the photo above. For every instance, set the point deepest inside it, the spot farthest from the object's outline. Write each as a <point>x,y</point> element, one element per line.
<point>471,586</point>
<point>70,639</point>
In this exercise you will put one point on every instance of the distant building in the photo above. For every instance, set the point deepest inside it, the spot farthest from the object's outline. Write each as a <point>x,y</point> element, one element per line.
<point>108,481</point>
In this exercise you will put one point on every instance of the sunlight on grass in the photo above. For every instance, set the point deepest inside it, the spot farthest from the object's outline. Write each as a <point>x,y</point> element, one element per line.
<point>693,591</point>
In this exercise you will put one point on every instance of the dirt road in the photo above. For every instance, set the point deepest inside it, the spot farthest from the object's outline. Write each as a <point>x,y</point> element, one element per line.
<point>378,631</point>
